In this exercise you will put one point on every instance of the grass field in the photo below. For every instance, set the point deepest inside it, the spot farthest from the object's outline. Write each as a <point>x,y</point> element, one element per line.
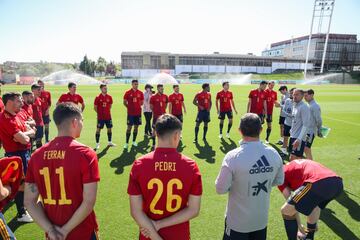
<point>340,151</point>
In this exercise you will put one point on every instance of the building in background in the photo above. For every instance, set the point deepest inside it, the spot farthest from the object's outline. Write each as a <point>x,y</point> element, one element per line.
<point>147,64</point>
<point>343,50</point>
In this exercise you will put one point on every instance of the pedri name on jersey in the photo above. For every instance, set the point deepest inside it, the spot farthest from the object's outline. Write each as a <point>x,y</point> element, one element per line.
<point>54,154</point>
<point>165,166</point>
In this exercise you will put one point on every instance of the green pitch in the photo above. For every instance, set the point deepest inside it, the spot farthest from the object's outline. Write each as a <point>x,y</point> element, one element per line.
<point>340,151</point>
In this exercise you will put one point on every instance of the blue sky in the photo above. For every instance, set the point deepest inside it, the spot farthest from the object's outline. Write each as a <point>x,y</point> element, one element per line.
<point>66,30</point>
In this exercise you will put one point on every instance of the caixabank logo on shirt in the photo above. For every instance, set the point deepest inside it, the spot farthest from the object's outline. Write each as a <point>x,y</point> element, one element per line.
<point>261,166</point>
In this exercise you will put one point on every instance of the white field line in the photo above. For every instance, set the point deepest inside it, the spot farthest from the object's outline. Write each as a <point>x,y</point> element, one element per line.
<point>343,121</point>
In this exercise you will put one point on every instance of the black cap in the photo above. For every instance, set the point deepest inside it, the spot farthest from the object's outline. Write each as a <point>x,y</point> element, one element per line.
<point>148,86</point>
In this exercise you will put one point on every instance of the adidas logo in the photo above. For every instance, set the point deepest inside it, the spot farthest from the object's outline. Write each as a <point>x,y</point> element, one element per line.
<point>261,166</point>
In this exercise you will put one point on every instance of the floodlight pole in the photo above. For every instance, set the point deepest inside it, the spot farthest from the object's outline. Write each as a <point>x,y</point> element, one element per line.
<point>327,38</point>
<point>309,41</point>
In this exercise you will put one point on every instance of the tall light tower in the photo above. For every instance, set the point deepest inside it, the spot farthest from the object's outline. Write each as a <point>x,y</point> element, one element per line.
<point>322,15</point>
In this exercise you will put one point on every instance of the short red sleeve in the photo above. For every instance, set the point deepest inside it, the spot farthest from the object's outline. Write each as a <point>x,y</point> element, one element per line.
<point>167,99</point>
<point>275,96</point>
<point>126,95</point>
<point>182,97</point>
<point>250,94</point>
<point>196,187</point>
<point>96,101</point>
<point>89,167</point>
<point>152,100</point>
<point>141,96</point>
<point>134,187</point>
<point>283,186</point>
<point>61,99</point>
<point>231,96</point>
<point>81,100</point>
<point>111,100</point>
<point>49,99</point>
<point>218,96</point>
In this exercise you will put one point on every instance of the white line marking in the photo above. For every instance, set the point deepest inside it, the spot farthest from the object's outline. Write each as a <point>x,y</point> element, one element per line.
<point>339,120</point>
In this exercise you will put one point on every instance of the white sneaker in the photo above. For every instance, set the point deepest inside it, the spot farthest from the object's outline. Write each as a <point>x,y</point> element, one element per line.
<point>228,135</point>
<point>126,146</point>
<point>284,151</point>
<point>111,144</point>
<point>134,144</point>
<point>97,146</point>
<point>220,136</point>
<point>26,218</point>
<point>266,141</point>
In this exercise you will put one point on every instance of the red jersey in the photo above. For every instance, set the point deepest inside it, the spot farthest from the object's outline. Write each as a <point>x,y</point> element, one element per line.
<point>203,99</point>
<point>257,101</point>
<point>37,112</point>
<point>11,125</point>
<point>271,97</point>
<point>298,172</point>
<point>134,100</point>
<point>45,98</point>
<point>159,102</point>
<point>60,169</point>
<point>2,107</point>
<point>68,97</point>
<point>176,100</point>
<point>103,104</point>
<point>162,176</point>
<point>26,112</point>
<point>225,98</point>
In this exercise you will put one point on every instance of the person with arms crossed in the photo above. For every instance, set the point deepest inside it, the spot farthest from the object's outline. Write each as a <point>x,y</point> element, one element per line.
<point>225,97</point>
<point>203,101</point>
<point>65,174</point>
<point>299,126</point>
<point>16,136</point>
<point>286,110</point>
<point>45,97</point>
<point>72,97</point>
<point>257,101</point>
<point>176,103</point>
<point>102,106</point>
<point>315,122</point>
<point>133,100</point>
<point>37,113</point>
<point>313,187</point>
<point>284,95</point>
<point>26,113</point>
<point>147,110</point>
<point>165,187</point>
<point>158,105</point>
<point>271,100</point>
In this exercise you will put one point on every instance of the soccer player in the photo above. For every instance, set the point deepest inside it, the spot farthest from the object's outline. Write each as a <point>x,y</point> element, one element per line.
<point>133,100</point>
<point>45,97</point>
<point>72,96</point>
<point>247,174</point>
<point>176,103</point>
<point>313,187</point>
<point>315,122</point>
<point>225,97</point>
<point>15,136</point>
<point>158,104</point>
<point>203,101</point>
<point>286,110</point>
<point>299,126</point>
<point>102,106</point>
<point>26,113</point>
<point>257,101</point>
<point>65,174</point>
<point>284,95</point>
<point>147,110</point>
<point>37,113</point>
<point>271,100</point>
<point>165,186</point>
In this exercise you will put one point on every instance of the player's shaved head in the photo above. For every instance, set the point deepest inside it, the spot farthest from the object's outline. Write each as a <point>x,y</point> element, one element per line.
<point>166,125</point>
<point>250,125</point>
<point>64,113</point>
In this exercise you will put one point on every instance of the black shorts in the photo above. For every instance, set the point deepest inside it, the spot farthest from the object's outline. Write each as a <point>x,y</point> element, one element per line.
<point>229,115</point>
<point>203,116</point>
<point>287,130</point>
<point>268,118</point>
<point>133,120</point>
<point>101,123</point>
<point>261,116</point>
<point>281,120</point>
<point>309,140</point>
<point>46,119</point>
<point>24,155</point>
<point>180,117</point>
<point>299,151</point>
<point>319,193</point>
<point>39,132</point>
<point>230,234</point>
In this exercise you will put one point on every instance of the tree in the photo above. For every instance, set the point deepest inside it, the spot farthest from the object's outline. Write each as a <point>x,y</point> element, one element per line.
<point>101,65</point>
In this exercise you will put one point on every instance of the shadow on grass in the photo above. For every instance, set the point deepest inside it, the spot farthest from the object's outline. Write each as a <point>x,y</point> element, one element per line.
<point>205,152</point>
<point>227,147</point>
<point>127,157</point>
<point>351,205</point>
<point>338,227</point>
<point>14,224</point>
<point>282,155</point>
<point>103,152</point>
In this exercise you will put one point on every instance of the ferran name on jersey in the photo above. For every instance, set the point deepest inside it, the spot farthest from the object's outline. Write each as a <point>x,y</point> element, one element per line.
<point>165,166</point>
<point>54,154</point>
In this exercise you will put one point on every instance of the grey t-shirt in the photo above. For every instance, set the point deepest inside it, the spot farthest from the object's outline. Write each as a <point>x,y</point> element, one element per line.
<point>301,121</point>
<point>247,174</point>
<point>287,111</point>
<point>284,97</point>
<point>315,117</point>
